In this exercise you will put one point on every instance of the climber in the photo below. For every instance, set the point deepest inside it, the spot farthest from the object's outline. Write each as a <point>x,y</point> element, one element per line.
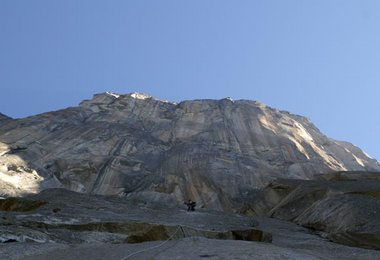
<point>190,205</point>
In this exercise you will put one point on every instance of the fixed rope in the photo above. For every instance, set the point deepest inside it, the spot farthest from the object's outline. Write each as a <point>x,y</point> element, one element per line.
<point>153,247</point>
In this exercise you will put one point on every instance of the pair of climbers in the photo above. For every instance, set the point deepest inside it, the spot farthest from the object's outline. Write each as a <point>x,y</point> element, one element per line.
<point>190,205</point>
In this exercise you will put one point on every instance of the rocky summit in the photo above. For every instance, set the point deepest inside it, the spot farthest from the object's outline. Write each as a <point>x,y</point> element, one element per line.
<point>108,180</point>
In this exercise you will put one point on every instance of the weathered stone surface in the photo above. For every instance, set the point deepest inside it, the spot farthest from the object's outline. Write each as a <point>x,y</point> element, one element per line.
<point>188,248</point>
<point>60,213</point>
<point>347,211</point>
<point>217,152</point>
<point>99,227</point>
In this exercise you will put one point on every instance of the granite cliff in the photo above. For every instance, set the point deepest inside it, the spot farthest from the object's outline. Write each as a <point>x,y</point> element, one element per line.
<point>107,179</point>
<point>217,152</point>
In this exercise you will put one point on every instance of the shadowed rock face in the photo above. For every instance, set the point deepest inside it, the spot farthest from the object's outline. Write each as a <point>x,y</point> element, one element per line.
<point>212,151</point>
<point>17,204</point>
<point>346,208</point>
<point>4,117</point>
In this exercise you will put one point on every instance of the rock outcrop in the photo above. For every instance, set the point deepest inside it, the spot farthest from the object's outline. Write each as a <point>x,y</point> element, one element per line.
<point>345,209</point>
<point>216,152</point>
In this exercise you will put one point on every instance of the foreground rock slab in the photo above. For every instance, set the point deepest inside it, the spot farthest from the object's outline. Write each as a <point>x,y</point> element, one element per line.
<point>69,225</point>
<point>289,242</point>
<point>62,216</point>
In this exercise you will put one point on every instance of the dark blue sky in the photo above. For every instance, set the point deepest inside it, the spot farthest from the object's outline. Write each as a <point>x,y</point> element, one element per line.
<point>320,58</point>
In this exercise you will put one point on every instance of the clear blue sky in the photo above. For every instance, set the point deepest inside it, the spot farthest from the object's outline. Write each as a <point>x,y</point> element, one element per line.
<point>319,58</point>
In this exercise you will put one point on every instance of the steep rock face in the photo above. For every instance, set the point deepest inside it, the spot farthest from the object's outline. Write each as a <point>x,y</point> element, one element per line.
<point>209,150</point>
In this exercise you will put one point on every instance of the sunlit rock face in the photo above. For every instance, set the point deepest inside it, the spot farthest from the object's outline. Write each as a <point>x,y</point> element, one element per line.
<point>212,151</point>
<point>16,175</point>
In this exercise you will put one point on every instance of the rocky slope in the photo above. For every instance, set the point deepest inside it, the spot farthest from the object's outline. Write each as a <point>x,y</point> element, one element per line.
<point>344,208</point>
<point>216,152</point>
<point>115,220</point>
<point>59,224</point>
